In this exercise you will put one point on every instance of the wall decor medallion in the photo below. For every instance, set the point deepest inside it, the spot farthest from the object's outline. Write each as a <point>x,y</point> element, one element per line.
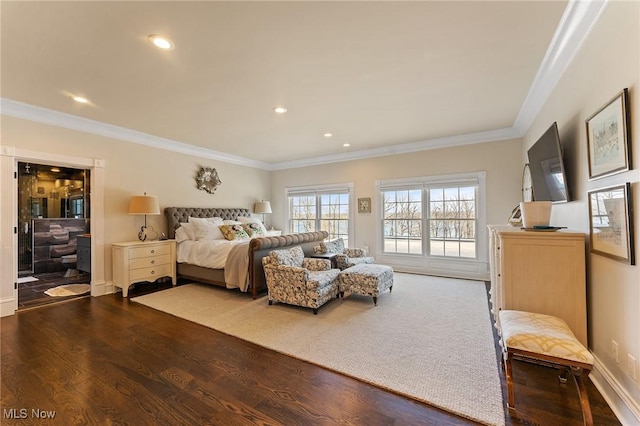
<point>364,205</point>
<point>208,179</point>
<point>609,137</point>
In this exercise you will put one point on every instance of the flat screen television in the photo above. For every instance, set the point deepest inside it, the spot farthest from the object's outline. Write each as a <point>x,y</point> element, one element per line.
<point>548,176</point>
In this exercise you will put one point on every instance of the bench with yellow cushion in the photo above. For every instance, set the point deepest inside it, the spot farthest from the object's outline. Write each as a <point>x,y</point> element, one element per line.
<point>548,339</point>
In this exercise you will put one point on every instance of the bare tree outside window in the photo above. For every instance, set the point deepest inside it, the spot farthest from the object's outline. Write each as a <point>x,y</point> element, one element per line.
<point>320,212</point>
<point>451,221</point>
<point>402,221</point>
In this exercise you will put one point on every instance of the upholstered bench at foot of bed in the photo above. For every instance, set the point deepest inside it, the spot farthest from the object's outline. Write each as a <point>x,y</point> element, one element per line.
<point>366,280</point>
<point>546,339</point>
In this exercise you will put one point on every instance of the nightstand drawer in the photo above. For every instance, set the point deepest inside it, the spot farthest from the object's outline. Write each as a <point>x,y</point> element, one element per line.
<point>148,251</point>
<point>151,273</point>
<point>146,262</point>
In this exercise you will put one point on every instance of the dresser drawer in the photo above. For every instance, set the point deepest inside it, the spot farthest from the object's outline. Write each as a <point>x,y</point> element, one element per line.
<point>146,262</point>
<point>150,250</point>
<point>151,273</point>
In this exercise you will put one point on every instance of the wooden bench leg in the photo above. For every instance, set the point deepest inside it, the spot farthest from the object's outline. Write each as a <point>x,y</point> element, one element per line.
<point>584,398</point>
<point>564,372</point>
<point>511,404</point>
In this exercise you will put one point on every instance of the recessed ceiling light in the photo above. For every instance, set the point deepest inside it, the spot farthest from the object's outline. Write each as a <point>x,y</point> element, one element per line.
<point>280,110</point>
<point>328,135</point>
<point>346,144</point>
<point>55,169</point>
<point>161,42</point>
<point>80,99</point>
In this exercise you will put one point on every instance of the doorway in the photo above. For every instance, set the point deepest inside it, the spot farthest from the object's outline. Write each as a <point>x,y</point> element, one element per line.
<point>54,239</point>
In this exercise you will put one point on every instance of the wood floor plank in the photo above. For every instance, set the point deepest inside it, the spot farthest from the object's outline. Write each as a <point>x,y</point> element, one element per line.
<point>107,360</point>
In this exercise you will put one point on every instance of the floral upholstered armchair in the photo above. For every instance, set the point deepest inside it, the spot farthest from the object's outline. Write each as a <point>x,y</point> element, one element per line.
<point>345,257</point>
<point>296,280</point>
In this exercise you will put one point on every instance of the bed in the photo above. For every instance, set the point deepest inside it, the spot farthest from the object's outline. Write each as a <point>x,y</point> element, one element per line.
<point>257,248</point>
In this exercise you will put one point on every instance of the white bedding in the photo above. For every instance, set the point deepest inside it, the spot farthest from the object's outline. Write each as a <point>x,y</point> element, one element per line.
<point>215,254</point>
<point>206,253</point>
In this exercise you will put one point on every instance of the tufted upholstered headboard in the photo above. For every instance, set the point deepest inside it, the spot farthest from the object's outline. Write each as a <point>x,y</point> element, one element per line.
<point>177,215</point>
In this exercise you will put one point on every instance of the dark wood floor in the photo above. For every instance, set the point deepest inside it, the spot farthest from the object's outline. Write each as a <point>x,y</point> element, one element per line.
<point>105,360</point>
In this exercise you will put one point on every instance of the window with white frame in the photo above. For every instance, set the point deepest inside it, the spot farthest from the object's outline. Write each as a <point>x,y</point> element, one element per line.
<point>432,216</point>
<point>452,221</point>
<point>321,209</point>
<point>402,220</point>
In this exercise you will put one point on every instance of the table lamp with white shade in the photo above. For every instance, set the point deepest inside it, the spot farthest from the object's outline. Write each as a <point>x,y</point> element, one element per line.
<point>262,207</point>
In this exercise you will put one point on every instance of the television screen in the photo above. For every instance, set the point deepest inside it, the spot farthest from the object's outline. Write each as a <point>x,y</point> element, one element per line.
<point>547,170</point>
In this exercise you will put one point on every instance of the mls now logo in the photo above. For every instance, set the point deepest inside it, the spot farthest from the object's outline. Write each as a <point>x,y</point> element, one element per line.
<point>23,413</point>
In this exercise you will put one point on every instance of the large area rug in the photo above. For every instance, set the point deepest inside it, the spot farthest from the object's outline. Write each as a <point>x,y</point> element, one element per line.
<point>430,339</point>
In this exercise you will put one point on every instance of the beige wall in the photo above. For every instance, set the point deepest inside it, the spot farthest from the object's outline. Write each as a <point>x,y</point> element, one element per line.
<point>607,63</point>
<point>501,161</point>
<point>132,169</point>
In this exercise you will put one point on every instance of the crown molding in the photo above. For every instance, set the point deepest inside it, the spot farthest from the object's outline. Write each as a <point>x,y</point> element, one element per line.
<point>577,21</point>
<point>59,119</point>
<point>446,142</point>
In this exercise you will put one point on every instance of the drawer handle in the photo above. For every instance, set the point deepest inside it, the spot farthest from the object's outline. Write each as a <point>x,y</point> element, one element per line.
<point>153,251</point>
<point>153,272</point>
<point>153,261</point>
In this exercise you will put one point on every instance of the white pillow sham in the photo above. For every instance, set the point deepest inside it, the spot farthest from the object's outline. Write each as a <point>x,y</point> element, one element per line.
<point>186,231</point>
<point>207,228</point>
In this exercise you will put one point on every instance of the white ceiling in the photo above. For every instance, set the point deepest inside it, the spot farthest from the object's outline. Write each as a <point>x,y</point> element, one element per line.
<point>381,76</point>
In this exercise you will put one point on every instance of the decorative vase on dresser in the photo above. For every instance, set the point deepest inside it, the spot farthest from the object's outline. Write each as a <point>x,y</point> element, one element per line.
<point>139,261</point>
<point>541,272</point>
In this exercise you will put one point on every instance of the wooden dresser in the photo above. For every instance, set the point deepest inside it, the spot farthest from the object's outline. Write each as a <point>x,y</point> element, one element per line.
<point>139,261</point>
<point>541,272</point>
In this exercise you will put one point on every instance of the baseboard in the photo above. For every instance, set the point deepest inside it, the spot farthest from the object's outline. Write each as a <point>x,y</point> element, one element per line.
<point>624,407</point>
<point>8,306</point>
<point>100,288</point>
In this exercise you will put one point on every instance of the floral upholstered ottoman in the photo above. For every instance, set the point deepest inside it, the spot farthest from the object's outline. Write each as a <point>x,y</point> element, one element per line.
<point>366,279</point>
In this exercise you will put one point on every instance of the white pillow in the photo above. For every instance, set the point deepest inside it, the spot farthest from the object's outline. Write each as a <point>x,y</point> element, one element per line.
<point>188,230</point>
<point>230,222</point>
<point>207,228</point>
<point>253,220</point>
<point>181,235</point>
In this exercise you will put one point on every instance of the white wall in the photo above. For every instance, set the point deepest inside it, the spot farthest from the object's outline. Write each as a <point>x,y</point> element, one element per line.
<point>606,63</point>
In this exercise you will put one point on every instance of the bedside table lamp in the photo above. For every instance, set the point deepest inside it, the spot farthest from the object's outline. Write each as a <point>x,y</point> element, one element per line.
<point>262,207</point>
<point>144,204</point>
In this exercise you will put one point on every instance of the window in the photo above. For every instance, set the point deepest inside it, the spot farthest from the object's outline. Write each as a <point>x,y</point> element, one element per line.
<point>452,221</point>
<point>432,216</point>
<point>321,209</point>
<point>402,223</point>
<point>302,213</point>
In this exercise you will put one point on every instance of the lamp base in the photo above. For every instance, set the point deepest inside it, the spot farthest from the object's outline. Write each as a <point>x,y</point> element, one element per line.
<point>142,235</point>
<point>147,233</point>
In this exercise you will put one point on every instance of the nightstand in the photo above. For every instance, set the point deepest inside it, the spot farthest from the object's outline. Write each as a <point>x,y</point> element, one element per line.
<point>139,261</point>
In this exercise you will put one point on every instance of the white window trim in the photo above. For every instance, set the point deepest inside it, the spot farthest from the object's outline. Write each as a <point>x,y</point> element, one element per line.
<point>322,189</point>
<point>437,265</point>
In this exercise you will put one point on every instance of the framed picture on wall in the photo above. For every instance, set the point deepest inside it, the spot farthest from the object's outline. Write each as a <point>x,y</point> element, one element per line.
<point>611,223</point>
<point>364,205</point>
<point>609,137</point>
